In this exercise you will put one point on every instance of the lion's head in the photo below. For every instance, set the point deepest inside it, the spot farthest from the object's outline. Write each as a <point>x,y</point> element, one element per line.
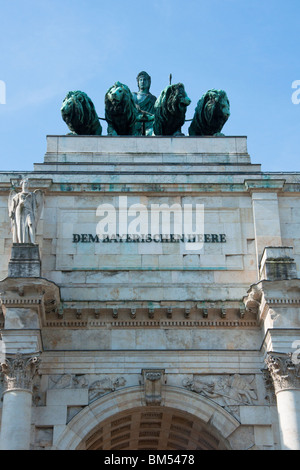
<point>120,110</point>
<point>170,110</point>
<point>78,112</point>
<point>211,113</point>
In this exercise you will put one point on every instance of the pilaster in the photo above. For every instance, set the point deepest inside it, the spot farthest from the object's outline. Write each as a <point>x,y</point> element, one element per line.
<point>19,371</point>
<point>285,372</point>
<point>265,213</point>
<point>275,299</point>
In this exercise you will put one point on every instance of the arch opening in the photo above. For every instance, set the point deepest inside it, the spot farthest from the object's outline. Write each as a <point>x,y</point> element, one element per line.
<point>153,428</point>
<point>122,420</point>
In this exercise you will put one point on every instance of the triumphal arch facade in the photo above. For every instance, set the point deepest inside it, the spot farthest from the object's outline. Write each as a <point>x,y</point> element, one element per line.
<point>150,296</point>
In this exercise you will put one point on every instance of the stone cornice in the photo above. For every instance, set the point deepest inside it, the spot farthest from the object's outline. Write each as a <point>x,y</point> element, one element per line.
<point>180,314</point>
<point>262,185</point>
<point>37,293</point>
<point>266,294</point>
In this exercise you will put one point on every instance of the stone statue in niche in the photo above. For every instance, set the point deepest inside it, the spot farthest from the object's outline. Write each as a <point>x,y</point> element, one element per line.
<point>25,209</point>
<point>144,102</point>
<point>211,113</point>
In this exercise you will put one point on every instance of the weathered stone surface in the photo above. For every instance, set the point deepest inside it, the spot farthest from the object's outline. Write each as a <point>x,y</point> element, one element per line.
<point>277,264</point>
<point>24,261</point>
<point>105,315</point>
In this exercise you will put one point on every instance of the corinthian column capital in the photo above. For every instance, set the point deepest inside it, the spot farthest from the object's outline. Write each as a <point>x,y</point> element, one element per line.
<point>284,370</point>
<point>19,371</point>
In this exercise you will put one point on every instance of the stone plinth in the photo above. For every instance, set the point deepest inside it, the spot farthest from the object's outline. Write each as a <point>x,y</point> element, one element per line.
<point>90,149</point>
<point>24,261</point>
<point>139,156</point>
<point>277,264</point>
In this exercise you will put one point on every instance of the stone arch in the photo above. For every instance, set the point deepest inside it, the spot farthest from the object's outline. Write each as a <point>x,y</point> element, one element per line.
<point>207,418</point>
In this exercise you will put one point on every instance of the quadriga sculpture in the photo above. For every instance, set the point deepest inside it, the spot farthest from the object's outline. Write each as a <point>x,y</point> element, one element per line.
<point>170,109</point>
<point>120,111</point>
<point>78,112</point>
<point>211,113</point>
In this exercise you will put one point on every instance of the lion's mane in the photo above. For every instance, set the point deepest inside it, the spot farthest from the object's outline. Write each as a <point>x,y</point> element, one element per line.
<point>211,113</point>
<point>120,110</point>
<point>78,112</point>
<point>170,109</point>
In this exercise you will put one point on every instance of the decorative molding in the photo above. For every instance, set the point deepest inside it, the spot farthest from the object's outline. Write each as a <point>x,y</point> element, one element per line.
<point>104,385</point>
<point>96,388</point>
<point>268,185</point>
<point>38,293</point>
<point>153,323</point>
<point>233,389</point>
<point>253,300</point>
<point>19,371</point>
<point>270,396</point>
<point>284,371</point>
<point>230,391</point>
<point>153,381</point>
<point>143,316</point>
<point>264,295</point>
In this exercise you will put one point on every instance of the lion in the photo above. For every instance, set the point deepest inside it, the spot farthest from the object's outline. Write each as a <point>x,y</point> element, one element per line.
<point>211,113</point>
<point>78,112</point>
<point>170,109</point>
<point>121,113</point>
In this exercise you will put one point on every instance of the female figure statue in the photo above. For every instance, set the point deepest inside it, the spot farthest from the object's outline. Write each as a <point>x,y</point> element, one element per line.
<point>24,209</point>
<point>144,102</point>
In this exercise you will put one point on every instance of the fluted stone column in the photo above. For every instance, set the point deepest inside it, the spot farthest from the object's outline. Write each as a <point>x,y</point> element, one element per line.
<point>19,371</point>
<point>285,373</point>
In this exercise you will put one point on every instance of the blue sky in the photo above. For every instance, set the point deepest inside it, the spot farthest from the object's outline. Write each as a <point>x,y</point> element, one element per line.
<point>248,48</point>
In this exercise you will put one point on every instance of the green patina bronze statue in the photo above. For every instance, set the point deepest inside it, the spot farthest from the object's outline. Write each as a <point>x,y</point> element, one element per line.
<point>140,113</point>
<point>144,102</point>
<point>78,112</point>
<point>170,109</point>
<point>211,113</point>
<point>120,111</point>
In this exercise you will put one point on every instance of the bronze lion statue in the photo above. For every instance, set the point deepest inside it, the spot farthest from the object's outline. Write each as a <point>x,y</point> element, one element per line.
<point>211,113</point>
<point>120,111</point>
<point>78,112</point>
<point>170,109</point>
